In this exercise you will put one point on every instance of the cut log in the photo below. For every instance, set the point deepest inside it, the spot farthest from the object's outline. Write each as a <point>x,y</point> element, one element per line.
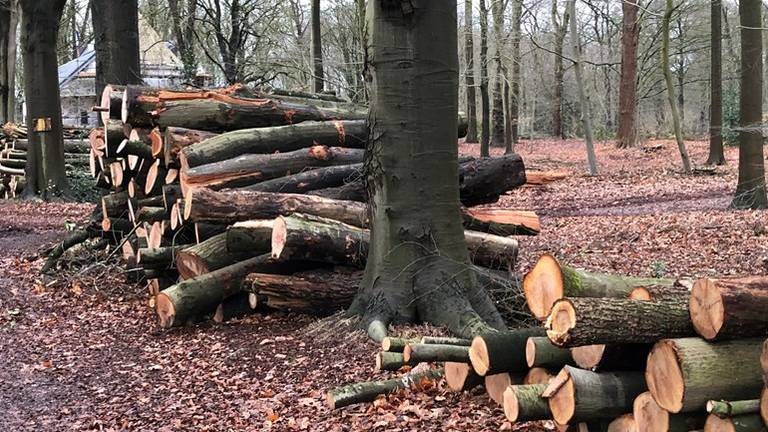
<point>580,395</point>
<point>222,112</point>
<point>212,254</point>
<point>188,300</point>
<point>461,377</point>
<point>250,235</point>
<point>79,146</point>
<point>369,391</point>
<point>539,352</point>
<point>524,403</point>
<point>111,103</point>
<point>318,239</point>
<point>155,179</point>
<point>483,180</point>
<point>228,207</point>
<point>683,374</point>
<point>730,308</point>
<point>494,353</point>
<point>418,353</point>
<point>625,423</point>
<point>158,258</point>
<point>496,384</point>
<point>680,291</point>
<point>151,214</point>
<point>396,344</point>
<point>317,292</point>
<point>501,222</point>
<point>136,148</point>
<point>115,205</point>
<point>438,340</point>
<point>282,139</point>
<point>743,423</point>
<point>588,321</point>
<point>725,409</point>
<point>764,405</point>
<point>319,178</point>
<point>117,226</point>
<point>234,307</point>
<point>538,178</point>
<point>353,191</point>
<point>171,193</point>
<point>610,357</point>
<point>650,417</point>
<point>550,281</point>
<point>389,361</point>
<point>537,375</point>
<point>248,169</point>
<point>176,139</point>
<point>491,251</point>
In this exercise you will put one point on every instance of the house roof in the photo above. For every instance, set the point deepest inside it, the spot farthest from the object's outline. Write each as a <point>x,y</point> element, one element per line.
<point>71,69</point>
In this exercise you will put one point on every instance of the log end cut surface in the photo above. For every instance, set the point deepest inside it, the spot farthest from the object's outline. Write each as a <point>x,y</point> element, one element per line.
<point>649,416</point>
<point>625,423</point>
<point>166,312</point>
<point>456,375</point>
<point>510,404</point>
<point>588,356</point>
<point>279,235</point>
<point>537,375</point>
<point>706,308</point>
<point>543,286</point>
<point>496,384</point>
<point>478,355</point>
<point>560,321</point>
<point>562,402</point>
<point>664,376</point>
<point>530,352</point>
<point>716,424</point>
<point>764,405</point>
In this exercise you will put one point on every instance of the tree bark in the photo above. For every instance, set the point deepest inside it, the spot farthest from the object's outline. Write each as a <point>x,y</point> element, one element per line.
<point>352,191</point>
<point>461,377</point>
<point>209,255</point>
<point>560,30</point>
<point>540,352</point>
<point>45,172</point>
<point>501,221</point>
<point>414,203</point>
<point>311,292</point>
<point>176,139</point>
<point>610,357</point>
<point>350,134</point>
<point>498,352</point>
<point>116,33</point>
<point>671,88</point>
<point>730,308</point>
<point>683,374</point>
<point>524,403</point>
<point>469,78</point>
<point>589,321</point>
<point>725,409</point>
<point>319,239</point>
<point>630,31</point>
<point>586,110</point>
<point>480,181</point>
<point>313,179</point>
<point>205,205</point>
<point>750,191</point>
<point>318,79</point>
<point>417,353</point>
<point>368,391</point>
<point>158,258</point>
<point>485,104</point>
<point>516,79</point>
<point>579,395</point>
<point>498,132</point>
<point>650,417</point>
<point>716,156</point>
<point>9,20</point>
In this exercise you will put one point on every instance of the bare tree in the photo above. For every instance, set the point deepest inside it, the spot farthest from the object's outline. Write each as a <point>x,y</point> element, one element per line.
<point>9,16</point>
<point>560,29</point>
<point>627,133</point>
<point>485,135</point>
<point>716,156</point>
<point>497,112</point>
<point>586,112</point>
<point>317,49</point>
<point>469,77</point>
<point>670,86</point>
<point>516,78</point>
<point>184,33</point>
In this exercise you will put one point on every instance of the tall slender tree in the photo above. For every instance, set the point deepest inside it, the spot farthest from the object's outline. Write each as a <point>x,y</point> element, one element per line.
<point>515,78</point>
<point>45,173</point>
<point>469,76</point>
<point>630,31</point>
<point>561,29</point>
<point>318,78</point>
<point>716,156</point>
<point>497,112</point>
<point>750,191</point>
<point>673,107</point>
<point>9,16</point>
<point>116,31</point>
<point>417,267</point>
<point>586,112</point>
<point>485,104</point>
<point>184,33</point>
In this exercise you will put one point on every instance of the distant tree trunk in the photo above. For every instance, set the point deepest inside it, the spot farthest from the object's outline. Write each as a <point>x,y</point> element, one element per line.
<point>45,173</point>
<point>509,145</point>
<point>184,33</point>
<point>557,100</point>
<point>630,29</point>
<point>586,112</point>
<point>318,80</point>
<point>515,79</point>
<point>416,217</point>
<point>116,33</point>
<point>497,113</point>
<point>9,16</point>
<point>680,72</point>
<point>469,55</point>
<point>750,191</point>
<point>485,108</point>
<point>670,86</point>
<point>716,156</point>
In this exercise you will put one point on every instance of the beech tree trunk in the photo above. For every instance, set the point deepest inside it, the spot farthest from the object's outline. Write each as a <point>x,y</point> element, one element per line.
<point>557,100</point>
<point>318,79</point>
<point>485,104</point>
<point>730,308</point>
<point>9,20</point>
<point>630,30</point>
<point>673,107</point>
<point>516,79</point>
<point>469,57</point>
<point>45,173</point>
<point>524,403</point>
<point>116,31</point>
<point>716,156</point>
<point>586,110</point>
<point>497,135</point>
<point>750,191</point>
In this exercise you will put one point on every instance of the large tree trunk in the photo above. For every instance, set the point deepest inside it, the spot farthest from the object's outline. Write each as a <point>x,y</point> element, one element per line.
<point>683,374</point>
<point>586,111</point>
<point>45,172</point>
<point>318,78</point>
<point>469,56</point>
<point>485,104</point>
<point>497,135</point>
<point>184,34</point>
<point>730,308</point>
<point>414,204</point>
<point>116,32</point>
<point>750,191</point>
<point>557,100</point>
<point>9,20</point>
<point>673,107</point>
<point>716,156</point>
<point>630,30</point>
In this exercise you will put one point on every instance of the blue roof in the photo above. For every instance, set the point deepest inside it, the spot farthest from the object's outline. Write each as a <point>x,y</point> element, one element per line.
<point>69,70</point>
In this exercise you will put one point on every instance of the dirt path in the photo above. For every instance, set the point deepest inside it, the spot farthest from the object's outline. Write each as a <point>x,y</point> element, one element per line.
<point>86,354</point>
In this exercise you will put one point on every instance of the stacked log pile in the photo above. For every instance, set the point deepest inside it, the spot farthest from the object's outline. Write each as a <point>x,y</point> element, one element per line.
<point>230,201</point>
<point>13,156</point>
<point>613,353</point>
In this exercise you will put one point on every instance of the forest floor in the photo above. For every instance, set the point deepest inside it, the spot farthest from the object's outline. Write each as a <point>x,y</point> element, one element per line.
<point>84,353</point>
